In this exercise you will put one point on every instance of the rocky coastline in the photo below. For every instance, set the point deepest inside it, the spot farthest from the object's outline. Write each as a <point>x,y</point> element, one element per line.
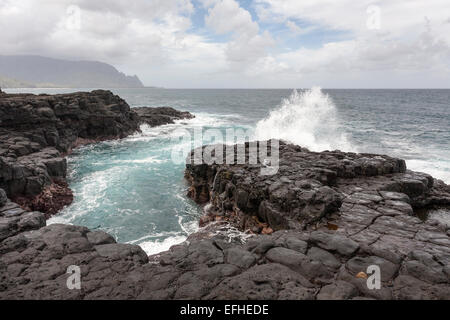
<point>38,131</point>
<point>307,232</point>
<point>160,115</point>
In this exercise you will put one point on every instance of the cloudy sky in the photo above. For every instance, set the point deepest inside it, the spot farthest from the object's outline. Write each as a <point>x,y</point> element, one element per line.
<point>242,44</point>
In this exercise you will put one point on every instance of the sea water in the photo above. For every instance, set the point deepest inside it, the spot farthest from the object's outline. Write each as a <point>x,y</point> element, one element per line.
<point>132,188</point>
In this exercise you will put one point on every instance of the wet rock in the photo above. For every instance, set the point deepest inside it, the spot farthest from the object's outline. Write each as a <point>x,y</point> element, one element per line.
<point>345,212</point>
<point>160,115</point>
<point>37,130</point>
<point>333,214</point>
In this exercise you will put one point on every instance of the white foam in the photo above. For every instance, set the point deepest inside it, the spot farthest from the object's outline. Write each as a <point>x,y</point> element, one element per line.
<point>92,192</point>
<point>309,119</point>
<point>439,170</point>
<point>145,160</point>
<point>171,130</point>
<point>157,246</point>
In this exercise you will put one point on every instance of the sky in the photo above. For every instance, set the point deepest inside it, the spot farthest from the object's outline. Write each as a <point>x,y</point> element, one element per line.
<point>242,44</point>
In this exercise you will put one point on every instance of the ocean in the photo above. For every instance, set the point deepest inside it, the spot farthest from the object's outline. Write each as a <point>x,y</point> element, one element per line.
<point>133,189</point>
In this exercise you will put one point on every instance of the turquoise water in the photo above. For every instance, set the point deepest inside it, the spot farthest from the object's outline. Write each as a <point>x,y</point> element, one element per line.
<point>132,188</point>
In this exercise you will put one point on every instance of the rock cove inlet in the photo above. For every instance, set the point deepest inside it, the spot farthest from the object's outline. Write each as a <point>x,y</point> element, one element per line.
<point>88,179</point>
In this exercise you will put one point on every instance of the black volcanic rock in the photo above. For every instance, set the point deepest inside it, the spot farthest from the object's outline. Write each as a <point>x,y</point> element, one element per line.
<point>304,189</point>
<point>36,131</point>
<point>160,115</point>
<point>334,215</point>
<point>337,213</point>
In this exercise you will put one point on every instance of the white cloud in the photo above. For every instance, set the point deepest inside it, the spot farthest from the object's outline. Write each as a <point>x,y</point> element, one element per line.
<point>411,38</point>
<point>150,38</point>
<point>157,40</point>
<point>248,44</point>
<point>227,16</point>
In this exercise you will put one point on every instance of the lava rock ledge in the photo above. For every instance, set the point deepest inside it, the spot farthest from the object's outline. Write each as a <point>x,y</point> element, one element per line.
<point>327,217</point>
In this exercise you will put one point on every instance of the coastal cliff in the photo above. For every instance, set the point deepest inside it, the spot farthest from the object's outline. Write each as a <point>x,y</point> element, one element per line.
<point>31,71</point>
<point>308,231</point>
<point>37,131</point>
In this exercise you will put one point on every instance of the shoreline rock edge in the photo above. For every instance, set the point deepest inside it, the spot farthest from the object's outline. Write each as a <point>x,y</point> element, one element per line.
<point>370,200</point>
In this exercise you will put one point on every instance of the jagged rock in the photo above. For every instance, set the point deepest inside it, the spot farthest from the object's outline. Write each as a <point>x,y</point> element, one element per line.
<point>37,131</point>
<point>160,115</point>
<point>364,207</point>
<point>14,220</point>
<point>361,212</point>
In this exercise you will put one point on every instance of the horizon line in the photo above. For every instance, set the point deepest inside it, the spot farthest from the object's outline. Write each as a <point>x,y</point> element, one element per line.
<point>226,88</point>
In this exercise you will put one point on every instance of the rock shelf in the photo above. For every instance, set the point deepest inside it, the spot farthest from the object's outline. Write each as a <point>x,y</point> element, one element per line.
<point>311,230</point>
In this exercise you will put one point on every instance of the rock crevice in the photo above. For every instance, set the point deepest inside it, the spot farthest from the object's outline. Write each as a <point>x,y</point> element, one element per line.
<point>37,131</point>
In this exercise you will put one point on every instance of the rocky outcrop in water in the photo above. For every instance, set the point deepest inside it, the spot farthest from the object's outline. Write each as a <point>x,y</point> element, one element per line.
<point>37,131</point>
<point>310,186</point>
<point>160,115</point>
<point>336,214</point>
<point>331,215</point>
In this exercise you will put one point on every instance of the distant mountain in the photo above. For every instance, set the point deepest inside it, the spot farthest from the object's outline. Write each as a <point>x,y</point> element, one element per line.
<point>37,71</point>
<point>13,83</point>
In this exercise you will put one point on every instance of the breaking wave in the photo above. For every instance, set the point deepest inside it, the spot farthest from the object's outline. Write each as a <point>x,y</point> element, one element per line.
<point>309,119</point>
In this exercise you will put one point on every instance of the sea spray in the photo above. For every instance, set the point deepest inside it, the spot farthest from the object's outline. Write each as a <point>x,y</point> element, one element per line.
<point>309,119</point>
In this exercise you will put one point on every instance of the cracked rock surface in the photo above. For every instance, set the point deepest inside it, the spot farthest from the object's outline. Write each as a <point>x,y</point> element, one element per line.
<point>331,216</point>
